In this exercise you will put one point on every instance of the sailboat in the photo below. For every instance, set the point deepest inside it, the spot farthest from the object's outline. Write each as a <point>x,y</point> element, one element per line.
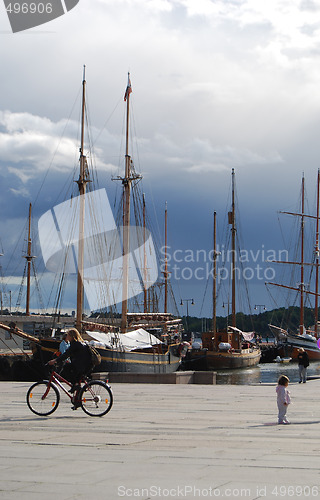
<point>124,351</point>
<point>230,348</point>
<point>306,338</point>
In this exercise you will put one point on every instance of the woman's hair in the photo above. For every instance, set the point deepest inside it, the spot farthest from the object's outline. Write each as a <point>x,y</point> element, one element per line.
<point>283,380</point>
<point>75,335</point>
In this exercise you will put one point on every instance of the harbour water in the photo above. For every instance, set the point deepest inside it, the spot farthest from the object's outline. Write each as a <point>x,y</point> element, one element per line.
<point>266,373</point>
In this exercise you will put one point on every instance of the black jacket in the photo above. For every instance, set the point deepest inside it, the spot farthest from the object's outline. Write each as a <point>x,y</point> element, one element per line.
<point>303,359</point>
<point>79,355</point>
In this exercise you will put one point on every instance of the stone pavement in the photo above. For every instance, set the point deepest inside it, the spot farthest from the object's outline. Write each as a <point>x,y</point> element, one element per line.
<point>163,441</point>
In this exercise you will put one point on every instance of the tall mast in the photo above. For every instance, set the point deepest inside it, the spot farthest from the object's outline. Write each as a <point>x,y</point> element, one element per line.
<point>214,297</point>
<point>166,259</point>
<point>126,217</point>
<point>145,303</point>
<point>29,258</point>
<point>301,328</point>
<point>233,243</point>
<point>317,259</point>
<point>1,303</point>
<point>301,286</point>
<point>82,184</point>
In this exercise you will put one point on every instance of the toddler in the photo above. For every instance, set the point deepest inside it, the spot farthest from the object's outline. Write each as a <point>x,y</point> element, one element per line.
<point>283,399</point>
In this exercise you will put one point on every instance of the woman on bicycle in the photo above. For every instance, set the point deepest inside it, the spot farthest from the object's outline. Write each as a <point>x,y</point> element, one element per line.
<point>81,361</point>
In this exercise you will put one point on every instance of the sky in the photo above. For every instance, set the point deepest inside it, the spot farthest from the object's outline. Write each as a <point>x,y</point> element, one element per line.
<point>216,85</point>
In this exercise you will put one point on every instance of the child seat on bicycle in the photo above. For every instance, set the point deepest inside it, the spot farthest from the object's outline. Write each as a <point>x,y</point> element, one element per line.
<point>80,356</point>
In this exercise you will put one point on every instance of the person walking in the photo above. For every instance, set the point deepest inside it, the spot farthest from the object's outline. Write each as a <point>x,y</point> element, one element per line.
<point>283,399</point>
<point>303,360</point>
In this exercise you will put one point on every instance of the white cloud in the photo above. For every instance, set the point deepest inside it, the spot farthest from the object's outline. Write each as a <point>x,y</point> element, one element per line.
<point>36,144</point>
<point>32,141</point>
<point>21,192</point>
<point>201,157</point>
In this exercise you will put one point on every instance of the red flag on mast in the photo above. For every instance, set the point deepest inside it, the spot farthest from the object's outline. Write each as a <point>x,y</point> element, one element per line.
<point>128,89</point>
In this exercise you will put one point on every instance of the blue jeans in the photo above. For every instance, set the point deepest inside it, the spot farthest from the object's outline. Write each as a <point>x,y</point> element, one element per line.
<point>302,373</point>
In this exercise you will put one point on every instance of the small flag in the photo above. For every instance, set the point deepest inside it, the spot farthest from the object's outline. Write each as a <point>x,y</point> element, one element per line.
<point>128,89</point>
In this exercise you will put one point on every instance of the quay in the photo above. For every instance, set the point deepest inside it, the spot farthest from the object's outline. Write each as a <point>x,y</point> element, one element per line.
<point>163,441</point>
<point>183,377</point>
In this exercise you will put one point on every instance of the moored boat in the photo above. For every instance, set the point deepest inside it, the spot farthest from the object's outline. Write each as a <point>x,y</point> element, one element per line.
<point>149,356</point>
<point>230,348</point>
<point>220,353</point>
<point>290,341</point>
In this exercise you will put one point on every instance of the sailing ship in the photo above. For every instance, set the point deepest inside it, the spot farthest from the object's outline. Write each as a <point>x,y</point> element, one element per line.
<point>290,341</point>
<point>230,348</point>
<point>124,351</point>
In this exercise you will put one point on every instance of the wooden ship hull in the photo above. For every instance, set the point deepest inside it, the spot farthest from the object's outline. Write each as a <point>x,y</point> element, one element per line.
<point>291,349</point>
<point>313,354</point>
<point>227,361</point>
<point>216,360</point>
<point>140,362</point>
<point>162,359</point>
<point>216,356</point>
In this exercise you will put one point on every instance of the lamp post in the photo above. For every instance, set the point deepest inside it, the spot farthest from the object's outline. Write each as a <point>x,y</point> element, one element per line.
<point>260,306</point>
<point>187,301</point>
<point>224,305</point>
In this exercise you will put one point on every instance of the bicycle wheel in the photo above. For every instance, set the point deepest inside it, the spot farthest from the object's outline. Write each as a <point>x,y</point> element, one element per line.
<point>96,398</point>
<point>41,403</point>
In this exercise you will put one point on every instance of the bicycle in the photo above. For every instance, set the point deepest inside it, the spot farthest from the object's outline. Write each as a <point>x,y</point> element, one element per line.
<point>95,396</point>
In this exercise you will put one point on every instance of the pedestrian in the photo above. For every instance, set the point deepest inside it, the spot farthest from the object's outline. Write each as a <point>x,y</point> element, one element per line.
<point>283,399</point>
<point>81,362</point>
<point>303,360</point>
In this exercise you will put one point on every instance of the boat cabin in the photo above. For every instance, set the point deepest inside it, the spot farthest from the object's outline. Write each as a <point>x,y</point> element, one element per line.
<point>212,341</point>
